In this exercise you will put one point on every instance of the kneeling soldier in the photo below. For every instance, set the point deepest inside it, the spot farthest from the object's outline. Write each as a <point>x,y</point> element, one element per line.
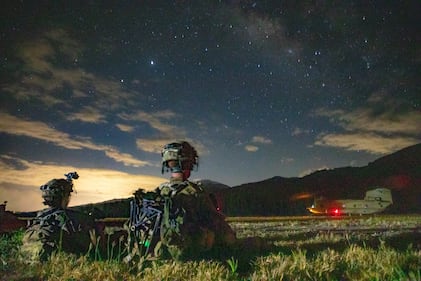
<point>57,228</point>
<point>179,219</point>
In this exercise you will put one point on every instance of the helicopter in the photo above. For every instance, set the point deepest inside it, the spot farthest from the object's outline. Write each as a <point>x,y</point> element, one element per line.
<point>375,201</point>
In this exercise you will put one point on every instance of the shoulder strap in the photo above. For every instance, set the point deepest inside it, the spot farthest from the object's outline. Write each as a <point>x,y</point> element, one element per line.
<point>171,189</point>
<point>191,188</point>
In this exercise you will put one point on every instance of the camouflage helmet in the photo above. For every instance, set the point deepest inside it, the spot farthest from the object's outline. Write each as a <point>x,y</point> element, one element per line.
<point>182,153</point>
<point>56,192</point>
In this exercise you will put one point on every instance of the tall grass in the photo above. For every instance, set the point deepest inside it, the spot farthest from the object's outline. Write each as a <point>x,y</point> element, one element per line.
<point>296,252</point>
<point>355,263</point>
<point>9,246</point>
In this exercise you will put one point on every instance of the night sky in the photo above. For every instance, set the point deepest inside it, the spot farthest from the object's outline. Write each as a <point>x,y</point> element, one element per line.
<point>260,88</point>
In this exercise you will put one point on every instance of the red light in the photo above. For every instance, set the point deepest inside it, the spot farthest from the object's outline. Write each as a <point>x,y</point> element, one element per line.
<point>335,212</point>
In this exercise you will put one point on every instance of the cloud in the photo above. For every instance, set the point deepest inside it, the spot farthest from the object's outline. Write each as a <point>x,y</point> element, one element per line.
<point>20,187</point>
<point>20,127</point>
<point>125,128</point>
<point>165,132</point>
<point>260,139</point>
<point>368,142</point>
<point>157,120</point>
<point>256,140</point>
<point>54,78</point>
<point>88,114</point>
<point>251,148</point>
<point>386,122</point>
<point>125,158</point>
<point>67,85</point>
<point>310,171</point>
<point>374,130</point>
<point>298,132</point>
<point>152,145</point>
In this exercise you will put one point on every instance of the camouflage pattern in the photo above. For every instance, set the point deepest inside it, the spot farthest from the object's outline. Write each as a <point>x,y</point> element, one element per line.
<point>189,226</point>
<point>56,229</point>
<point>56,193</point>
<point>182,154</point>
<point>179,220</point>
<point>202,227</point>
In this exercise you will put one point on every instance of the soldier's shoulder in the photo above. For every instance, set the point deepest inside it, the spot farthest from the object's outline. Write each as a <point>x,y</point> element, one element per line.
<point>48,212</point>
<point>164,185</point>
<point>191,188</point>
<point>197,185</point>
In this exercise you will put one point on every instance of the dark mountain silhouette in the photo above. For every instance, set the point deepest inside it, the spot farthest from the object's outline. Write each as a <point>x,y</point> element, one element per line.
<point>212,186</point>
<point>116,208</point>
<point>400,172</point>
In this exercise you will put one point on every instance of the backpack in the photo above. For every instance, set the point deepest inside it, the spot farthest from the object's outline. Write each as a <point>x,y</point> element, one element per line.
<point>57,229</point>
<point>179,221</point>
<point>170,222</point>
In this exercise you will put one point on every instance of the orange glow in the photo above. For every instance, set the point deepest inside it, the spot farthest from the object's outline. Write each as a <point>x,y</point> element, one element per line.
<point>300,196</point>
<point>94,185</point>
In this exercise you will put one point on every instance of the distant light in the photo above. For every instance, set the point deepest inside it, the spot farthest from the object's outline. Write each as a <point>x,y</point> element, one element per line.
<point>152,62</point>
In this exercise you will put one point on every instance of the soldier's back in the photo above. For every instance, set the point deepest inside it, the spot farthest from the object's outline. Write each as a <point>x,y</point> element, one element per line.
<point>57,229</point>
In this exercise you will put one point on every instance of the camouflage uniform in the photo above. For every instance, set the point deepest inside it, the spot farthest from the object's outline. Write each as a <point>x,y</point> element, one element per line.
<point>191,224</point>
<point>184,220</point>
<point>57,228</point>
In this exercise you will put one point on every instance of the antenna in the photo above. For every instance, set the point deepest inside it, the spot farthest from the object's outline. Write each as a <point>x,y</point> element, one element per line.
<point>70,176</point>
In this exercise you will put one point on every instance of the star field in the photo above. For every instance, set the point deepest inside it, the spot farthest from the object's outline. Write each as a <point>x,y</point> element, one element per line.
<point>260,88</point>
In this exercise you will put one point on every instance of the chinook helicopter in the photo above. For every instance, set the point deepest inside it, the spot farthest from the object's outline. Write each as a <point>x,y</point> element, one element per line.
<point>375,201</point>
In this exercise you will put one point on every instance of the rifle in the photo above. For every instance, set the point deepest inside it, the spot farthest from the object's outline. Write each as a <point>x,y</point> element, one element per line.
<point>145,220</point>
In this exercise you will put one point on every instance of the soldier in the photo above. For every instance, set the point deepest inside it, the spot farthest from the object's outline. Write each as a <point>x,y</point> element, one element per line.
<point>186,222</point>
<point>56,227</point>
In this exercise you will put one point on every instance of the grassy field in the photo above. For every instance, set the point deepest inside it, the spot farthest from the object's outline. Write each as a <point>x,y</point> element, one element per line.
<point>271,248</point>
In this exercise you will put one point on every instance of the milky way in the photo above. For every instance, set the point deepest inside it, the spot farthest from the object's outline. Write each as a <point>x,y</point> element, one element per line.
<point>260,88</point>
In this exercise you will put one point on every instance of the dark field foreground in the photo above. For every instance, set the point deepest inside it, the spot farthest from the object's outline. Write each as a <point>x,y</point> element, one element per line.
<point>287,248</point>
